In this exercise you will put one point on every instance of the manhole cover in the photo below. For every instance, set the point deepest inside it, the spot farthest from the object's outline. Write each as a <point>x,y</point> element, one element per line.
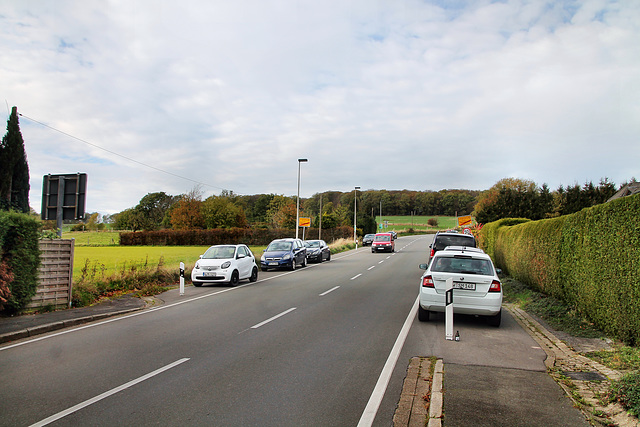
<point>585,376</point>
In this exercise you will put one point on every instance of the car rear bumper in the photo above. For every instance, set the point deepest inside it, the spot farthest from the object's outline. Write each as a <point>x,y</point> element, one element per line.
<point>488,305</point>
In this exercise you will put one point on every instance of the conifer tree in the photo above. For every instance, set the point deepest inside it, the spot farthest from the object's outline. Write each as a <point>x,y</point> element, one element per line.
<point>14,169</point>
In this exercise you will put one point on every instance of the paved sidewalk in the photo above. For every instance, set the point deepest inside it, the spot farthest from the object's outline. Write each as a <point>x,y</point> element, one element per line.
<point>30,325</point>
<point>459,395</point>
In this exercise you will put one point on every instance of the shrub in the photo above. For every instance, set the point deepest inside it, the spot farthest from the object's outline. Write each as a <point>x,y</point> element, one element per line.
<point>433,222</point>
<point>627,392</point>
<point>589,259</point>
<point>20,252</point>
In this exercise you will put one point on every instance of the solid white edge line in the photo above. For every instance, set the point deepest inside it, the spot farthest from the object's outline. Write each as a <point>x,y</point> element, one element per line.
<point>375,399</point>
<point>106,394</point>
<point>330,290</point>
<point>273,318</point>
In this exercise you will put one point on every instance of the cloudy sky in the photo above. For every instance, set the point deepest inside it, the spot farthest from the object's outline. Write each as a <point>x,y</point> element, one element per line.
<point>148,96</point>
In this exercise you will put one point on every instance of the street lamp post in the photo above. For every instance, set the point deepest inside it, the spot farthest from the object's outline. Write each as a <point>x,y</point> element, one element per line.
<point>355,201</point>
<point>298,198</point>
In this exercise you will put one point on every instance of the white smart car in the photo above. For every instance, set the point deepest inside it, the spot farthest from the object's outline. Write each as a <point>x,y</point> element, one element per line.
<point>476,287</point>
<point>225,264</point>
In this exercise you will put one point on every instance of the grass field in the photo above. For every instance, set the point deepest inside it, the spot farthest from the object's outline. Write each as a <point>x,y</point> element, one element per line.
<point>401,223</point>
<point>103,261</point>
<point>93,238</point>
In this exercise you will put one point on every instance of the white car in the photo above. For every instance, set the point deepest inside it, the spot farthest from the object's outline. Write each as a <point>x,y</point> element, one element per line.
<point>476,287</point>
<point>225,264</point>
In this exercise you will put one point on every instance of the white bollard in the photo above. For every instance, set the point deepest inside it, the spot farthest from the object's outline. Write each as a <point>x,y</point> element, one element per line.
<point>448,314</point>
<point>182,278</point>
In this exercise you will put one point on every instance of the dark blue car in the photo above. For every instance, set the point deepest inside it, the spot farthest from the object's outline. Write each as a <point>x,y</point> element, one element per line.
<point>284,253</point>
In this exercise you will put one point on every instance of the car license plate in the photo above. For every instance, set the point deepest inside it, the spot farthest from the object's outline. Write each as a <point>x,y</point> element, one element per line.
<point>465,286</point>
<point>209,274</point>
<point>273,263</point>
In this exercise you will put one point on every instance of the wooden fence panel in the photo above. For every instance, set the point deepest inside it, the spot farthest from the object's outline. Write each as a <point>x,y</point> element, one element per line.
<point>55,273</point>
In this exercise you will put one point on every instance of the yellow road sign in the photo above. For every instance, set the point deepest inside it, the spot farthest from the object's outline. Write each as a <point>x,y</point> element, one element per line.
<point>464,220</point>
<point>305,222</point>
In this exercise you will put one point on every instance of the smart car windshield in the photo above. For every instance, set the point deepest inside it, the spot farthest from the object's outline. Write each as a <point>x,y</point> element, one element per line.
<point>462,265</point>
<point>219,252</point>
<point>279,246</point>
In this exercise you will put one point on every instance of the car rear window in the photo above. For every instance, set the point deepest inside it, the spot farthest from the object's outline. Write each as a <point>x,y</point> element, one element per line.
<point>462,265</point>
<point>460,240</point>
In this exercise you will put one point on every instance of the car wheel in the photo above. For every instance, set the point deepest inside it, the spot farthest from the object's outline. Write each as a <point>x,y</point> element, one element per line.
<point>329,256</point>
<point>254,275</point>
<point>495,319</point>
<point>293,264</point>
<point>235,278</point>
<point>304,261</point>
<point>197,284</point>
<point>423,315</point>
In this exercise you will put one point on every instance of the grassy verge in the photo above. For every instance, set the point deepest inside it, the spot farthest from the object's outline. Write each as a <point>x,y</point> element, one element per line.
<point>564,318</point>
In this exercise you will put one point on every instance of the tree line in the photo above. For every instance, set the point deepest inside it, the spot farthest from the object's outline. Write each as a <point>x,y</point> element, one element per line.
<point>331,209</point>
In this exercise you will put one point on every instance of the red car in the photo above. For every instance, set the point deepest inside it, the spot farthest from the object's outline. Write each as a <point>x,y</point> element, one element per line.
<point>383,242</point>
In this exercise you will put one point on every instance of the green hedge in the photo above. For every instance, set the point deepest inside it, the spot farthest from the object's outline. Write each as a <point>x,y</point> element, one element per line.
<point>248,236</point>
<point>590,259</point>
<point>19,250</point>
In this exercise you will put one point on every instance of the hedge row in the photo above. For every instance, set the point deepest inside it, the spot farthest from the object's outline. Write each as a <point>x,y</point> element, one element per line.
<point>248,236</point>
<point>590,259</point>
<point>19,258</point>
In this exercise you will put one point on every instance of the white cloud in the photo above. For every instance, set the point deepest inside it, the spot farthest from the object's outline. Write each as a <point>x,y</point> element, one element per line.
<point>374,94</point>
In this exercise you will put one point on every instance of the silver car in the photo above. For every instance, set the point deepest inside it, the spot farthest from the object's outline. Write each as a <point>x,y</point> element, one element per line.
<point>476,287</point>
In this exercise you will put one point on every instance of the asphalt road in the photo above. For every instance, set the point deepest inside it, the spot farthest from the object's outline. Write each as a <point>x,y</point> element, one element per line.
<point>295,348</point>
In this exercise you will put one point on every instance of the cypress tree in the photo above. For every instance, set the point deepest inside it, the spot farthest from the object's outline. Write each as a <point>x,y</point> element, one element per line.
<point>14,169</point>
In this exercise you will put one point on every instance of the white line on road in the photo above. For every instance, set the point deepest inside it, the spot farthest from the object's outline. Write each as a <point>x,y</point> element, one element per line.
<point>107,394</point>
<point>381,261</point>
<point>375,399</point>
<point>356,276</point>
<point>273,318</point>
<point>330,290</point>
<point>371,268</point>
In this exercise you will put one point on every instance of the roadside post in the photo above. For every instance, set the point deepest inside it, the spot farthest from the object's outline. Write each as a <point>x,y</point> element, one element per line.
<point>448,315</point>
<point>182,278</point>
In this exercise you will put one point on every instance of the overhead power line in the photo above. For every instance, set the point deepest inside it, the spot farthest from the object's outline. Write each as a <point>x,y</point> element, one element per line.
<point>120,155</point>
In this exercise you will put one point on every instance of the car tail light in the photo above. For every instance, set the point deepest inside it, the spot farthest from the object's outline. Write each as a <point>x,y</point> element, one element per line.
<point>427,282</point>
<point>433,252</point>
<point>495,286</point>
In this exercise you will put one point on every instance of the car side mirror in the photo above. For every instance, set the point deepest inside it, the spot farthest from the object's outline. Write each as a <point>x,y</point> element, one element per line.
<point>240,256</point>
<point>498,271</point>
<point>201,256</point>
<point>423,266</point>
<point>431,245</point>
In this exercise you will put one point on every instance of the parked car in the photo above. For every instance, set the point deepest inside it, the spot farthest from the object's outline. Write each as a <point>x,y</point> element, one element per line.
<point>450,238</point>
<point>317,250</point>
<point>394,234</point>
<point>367,239</point>
<point>284,253</point>
<point>476,287</point>
<point>225,264</point>
<point>383,242</point>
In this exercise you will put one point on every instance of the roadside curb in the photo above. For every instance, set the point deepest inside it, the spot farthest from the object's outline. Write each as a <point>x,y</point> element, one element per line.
<point>562,360</point>
<point>54,326</point>
<point>421,399</point>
